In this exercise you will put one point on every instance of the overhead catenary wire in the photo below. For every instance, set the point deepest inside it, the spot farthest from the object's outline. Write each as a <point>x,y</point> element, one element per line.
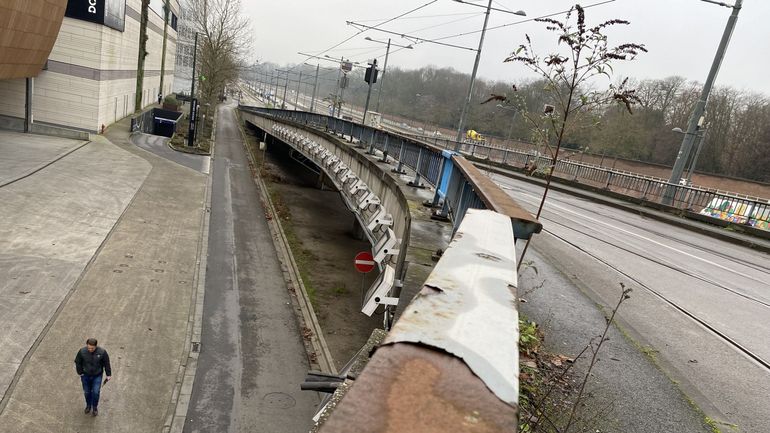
<point>423,16</point>
<point>380,24</point>
<point>520,21</point>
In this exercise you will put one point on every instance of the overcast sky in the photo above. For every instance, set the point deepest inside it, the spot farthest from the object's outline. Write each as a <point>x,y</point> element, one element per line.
<point>681,35</point>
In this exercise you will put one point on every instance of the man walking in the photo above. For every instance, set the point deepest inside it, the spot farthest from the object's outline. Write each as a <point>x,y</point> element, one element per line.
<point>90,362</point>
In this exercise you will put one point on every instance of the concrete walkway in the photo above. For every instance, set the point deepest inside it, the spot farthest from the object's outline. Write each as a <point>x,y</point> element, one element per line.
<point>103,242</point>
<point>24,154</point>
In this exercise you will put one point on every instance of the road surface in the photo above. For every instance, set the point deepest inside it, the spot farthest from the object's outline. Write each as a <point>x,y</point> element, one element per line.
<point>700,305</point>
<point>252,357</point>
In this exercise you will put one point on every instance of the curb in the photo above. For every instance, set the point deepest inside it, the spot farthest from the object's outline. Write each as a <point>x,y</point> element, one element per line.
<point>318,353</point>
<point>182,392</point>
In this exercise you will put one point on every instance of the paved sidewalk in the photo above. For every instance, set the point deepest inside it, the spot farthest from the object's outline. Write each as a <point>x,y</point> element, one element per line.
<point>103,242</point>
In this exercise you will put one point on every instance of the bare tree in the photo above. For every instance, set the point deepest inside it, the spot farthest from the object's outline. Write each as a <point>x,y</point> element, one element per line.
<point>223,40</point>
<point>583,56</point>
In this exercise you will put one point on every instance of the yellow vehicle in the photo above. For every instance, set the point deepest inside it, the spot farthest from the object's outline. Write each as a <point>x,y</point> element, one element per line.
<point>474,137</point>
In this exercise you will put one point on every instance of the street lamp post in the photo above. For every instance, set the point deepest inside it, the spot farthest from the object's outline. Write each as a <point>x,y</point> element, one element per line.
<point>425,99</point>
<point>696,119</point>
<point>464,112</point>
<point>285,88</point>
<point>299,83</point>
<point>513,119</point>
<point>701,139</point>
<point>315,88</point>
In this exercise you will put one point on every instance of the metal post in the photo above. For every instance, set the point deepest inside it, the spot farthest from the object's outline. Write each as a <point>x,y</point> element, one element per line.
<point>28,104</point>
<point>369,91</point>
<point>691,170</point>
<point>337,90</point>
<point>195,56</point>
<point>416,182</point>
<point>700,108</point>
<point>461,125</point>
<point>382,78</point>
<point>299,83</point>
<point>193,102</point>
<point>400,168</point>
<point>385,151</point>
<point>285,88</point>
<point>371,145</point>
<point>315,88</point>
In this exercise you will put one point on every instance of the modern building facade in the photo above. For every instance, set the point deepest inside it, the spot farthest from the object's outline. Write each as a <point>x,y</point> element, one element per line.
<point>185,48</point>
<point>89,78</point>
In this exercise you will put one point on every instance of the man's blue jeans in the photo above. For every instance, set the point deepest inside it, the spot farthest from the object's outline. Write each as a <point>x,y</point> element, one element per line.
<point>91,387</point>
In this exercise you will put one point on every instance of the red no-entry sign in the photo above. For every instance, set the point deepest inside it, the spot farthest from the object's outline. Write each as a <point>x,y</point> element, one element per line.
<point>364,262</point>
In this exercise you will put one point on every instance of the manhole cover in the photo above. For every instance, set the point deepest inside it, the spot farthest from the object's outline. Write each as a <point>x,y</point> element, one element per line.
<point>279,400</point>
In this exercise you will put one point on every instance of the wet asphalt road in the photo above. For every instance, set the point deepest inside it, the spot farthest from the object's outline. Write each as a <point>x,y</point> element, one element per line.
<point>695,299</point>
<point>252,358</point>
<point>159,146</point>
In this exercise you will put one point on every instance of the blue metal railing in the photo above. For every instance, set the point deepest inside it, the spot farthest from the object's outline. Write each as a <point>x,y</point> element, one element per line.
<point>425,160</point>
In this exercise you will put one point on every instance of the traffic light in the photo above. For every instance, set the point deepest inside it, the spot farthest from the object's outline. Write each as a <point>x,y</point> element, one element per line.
<point>371,73</point>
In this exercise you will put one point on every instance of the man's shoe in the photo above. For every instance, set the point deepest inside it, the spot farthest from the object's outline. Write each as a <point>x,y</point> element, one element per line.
<point>95,412</point>
<point>88,410</point>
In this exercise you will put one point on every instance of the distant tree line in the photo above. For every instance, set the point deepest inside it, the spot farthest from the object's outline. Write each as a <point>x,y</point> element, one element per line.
<point>737,141</point>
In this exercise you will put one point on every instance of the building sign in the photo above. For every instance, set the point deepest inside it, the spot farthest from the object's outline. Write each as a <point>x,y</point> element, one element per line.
<point>111,13</point>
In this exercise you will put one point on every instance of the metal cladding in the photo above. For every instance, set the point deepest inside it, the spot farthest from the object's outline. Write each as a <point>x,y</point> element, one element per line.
<point>28,31</point>
<point>467,306</point>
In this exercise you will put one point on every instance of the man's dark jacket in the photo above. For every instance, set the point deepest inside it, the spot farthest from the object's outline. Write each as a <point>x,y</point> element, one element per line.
<point>91,364</point>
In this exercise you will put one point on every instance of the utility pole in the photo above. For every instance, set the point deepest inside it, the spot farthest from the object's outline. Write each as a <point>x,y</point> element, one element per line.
<point>461,125</point>
<point>315,87</point>
<point>696,118</point>
<point>382,79</point>
<point>299,83</point>
<point>285,88</point>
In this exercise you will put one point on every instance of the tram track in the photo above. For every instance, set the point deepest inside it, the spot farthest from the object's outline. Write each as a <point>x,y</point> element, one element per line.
<point>678,306</point>
<point>723,336</point>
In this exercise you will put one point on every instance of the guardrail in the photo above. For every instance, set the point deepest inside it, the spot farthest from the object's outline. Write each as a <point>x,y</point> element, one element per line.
<point>723,205</point>
<point>715,203</point>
